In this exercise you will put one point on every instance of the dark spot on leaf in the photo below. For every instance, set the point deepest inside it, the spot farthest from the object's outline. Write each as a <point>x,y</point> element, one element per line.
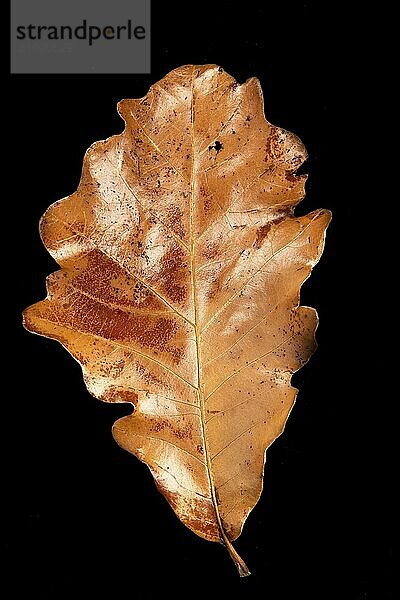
<point>217,146</point>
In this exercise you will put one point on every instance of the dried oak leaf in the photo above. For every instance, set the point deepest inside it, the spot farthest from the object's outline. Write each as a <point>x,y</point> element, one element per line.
<point>181,266</point>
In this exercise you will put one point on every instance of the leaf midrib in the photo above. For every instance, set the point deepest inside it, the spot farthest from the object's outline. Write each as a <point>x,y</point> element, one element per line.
<point>200,392</point>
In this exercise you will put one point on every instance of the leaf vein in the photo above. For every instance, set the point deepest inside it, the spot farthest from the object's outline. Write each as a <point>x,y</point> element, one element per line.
<point>249,364</point>
<point>124,346</point>
<point>273,255</point>
<point>127,271</point>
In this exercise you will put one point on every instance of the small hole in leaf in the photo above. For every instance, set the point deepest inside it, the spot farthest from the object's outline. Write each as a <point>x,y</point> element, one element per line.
<point>217,146</point>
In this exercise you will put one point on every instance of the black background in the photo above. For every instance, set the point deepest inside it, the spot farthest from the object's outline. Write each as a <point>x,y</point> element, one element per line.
<point>84,519</point>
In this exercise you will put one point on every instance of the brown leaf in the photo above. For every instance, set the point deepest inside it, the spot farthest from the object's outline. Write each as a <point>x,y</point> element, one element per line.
<point>182,263</point>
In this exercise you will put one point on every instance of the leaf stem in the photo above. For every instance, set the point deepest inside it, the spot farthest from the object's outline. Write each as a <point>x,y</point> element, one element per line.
<point>238,561</point>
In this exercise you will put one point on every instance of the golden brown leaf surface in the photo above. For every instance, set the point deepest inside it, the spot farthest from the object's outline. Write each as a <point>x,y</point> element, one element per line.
<point>181,266</point>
